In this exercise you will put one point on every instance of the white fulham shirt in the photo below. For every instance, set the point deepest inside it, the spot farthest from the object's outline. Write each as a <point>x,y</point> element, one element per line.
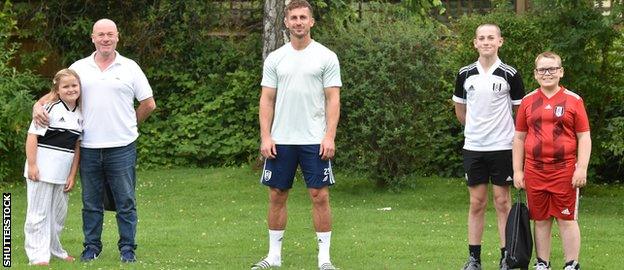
<point>489,97</point>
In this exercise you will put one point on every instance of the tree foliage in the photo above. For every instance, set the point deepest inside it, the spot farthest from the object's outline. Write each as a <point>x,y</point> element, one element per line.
<point>398,68</point>
<point>15,100</point>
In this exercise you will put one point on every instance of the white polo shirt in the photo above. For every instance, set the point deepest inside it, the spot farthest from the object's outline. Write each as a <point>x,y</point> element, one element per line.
<point>108,101</point>
<point>56,142</point>
<point>300,77</point>
<point>489,97</point>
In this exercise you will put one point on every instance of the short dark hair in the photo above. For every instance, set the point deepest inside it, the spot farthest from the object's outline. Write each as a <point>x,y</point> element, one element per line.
<point>294,4</point>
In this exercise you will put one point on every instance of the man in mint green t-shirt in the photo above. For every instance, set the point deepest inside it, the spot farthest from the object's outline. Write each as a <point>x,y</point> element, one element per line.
<point>299,112</point>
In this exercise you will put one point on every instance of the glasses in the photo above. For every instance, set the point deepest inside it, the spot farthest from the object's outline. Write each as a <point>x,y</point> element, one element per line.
<point>101,35</point>
<point>551,70</point>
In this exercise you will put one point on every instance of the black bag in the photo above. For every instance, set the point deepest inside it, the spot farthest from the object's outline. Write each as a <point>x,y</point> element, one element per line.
<point>109,201</point>
<point>518,239</point>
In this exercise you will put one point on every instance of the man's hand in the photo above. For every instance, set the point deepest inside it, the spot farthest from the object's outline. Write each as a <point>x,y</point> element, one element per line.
<point>267,148</point>
<point>327,149</point>
<point>33,172</point>
<point>579,178</point>
<point>39,115</point>
<point>518,178</point>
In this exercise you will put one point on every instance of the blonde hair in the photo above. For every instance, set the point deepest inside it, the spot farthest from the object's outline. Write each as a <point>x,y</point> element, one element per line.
<point>549,54</point>
<point>500,34</point>
<point>66,72</point>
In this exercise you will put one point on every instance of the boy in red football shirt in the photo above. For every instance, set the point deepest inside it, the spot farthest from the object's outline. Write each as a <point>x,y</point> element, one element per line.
<point>551,151</point>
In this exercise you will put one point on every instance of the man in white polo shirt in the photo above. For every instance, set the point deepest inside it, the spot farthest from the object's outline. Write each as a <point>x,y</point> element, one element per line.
<point>110,83</point>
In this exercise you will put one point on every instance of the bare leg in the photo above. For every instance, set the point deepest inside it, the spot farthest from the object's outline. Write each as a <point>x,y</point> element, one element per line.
<point>278,213</point>
<point>321,211</point>
<point>476,214</point>
<point>570,238</point>
<point>543,238</point>
<point>502,204</point>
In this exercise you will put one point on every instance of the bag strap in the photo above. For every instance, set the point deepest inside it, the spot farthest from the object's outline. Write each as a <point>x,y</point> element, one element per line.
<point>519,196</point>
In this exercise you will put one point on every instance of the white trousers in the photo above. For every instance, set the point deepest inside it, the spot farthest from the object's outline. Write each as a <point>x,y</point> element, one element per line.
<point>45,217</point>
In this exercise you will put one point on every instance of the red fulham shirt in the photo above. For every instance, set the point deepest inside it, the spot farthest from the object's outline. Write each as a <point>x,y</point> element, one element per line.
<point>551,125</point>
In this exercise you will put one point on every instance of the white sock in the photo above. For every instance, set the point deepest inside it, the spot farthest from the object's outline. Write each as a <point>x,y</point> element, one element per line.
<point>324,241</point>
<point>275,247</point>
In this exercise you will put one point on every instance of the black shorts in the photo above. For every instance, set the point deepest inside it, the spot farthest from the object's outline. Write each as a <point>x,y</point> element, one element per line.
<point>491,166</point>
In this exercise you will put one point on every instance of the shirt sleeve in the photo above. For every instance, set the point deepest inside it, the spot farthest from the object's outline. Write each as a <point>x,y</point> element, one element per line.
<point>521,117</point>
<point>269,73</point>
<point>33,129</point>
<point>581,121</point>
<point>459,95</point>
<point>331,74</point>
<point>517,89</point>
<point>142,88</point>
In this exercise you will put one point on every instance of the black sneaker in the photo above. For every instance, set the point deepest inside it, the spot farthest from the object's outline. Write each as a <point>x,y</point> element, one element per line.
<point>90,253</point>
<point>127,256</point>
<point>472,264</point>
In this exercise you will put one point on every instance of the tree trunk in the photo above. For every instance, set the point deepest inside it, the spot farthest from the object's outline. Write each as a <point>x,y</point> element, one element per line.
<point>274,29</point>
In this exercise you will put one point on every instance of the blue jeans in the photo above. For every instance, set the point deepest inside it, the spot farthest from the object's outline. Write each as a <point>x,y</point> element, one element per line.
<point>117,166</point>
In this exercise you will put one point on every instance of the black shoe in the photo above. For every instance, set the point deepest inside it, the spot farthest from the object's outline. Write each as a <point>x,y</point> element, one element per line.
<point>127,256</point>
<point>90,253</point>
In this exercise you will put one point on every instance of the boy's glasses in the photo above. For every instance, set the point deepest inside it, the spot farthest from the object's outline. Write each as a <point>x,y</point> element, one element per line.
<point>551,70</point>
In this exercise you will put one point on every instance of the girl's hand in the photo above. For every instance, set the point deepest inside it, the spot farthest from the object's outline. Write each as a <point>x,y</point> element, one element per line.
<point>33,172</point>
<point>69,185</point>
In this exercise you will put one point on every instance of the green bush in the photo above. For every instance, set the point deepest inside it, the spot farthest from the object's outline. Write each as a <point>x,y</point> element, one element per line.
<point>398,73</point>
<point>396,118</point>
<point>15,102</point>
<point>208,116</point>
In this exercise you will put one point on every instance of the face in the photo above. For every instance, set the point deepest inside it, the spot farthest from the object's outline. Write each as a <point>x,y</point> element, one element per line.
<point>68,89</point>
<point>551,71</point>
<point>299,21</point>
<point>487,41</point>
<point>105,37</point>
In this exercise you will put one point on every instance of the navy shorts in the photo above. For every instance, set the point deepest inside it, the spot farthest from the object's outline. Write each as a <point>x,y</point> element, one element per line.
<point>490,166</point>
<point>280,172</point>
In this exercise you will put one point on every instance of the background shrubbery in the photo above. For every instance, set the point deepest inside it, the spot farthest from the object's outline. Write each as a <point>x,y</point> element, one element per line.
<point>15,101</point>
<point>396,114</point>
<point>398,70</point>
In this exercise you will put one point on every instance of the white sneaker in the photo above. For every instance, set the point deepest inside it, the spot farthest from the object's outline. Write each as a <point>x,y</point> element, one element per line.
<point>574,266</point>
<point>327,266</point>
<point>542,266</point>
<point>265,264</point>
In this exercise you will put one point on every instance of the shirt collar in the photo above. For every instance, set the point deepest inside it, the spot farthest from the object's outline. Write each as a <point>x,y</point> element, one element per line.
<point>496,64</point>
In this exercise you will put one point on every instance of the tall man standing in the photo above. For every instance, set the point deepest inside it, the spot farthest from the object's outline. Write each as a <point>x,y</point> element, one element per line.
<point>110,83</point>
<point>299,112</point>
<point>485,92</point>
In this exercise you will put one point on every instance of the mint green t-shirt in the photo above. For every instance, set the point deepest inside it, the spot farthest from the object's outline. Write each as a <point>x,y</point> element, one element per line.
<point>300,77</point>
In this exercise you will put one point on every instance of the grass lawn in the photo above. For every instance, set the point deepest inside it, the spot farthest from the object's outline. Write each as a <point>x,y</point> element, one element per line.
<point>216,219</point>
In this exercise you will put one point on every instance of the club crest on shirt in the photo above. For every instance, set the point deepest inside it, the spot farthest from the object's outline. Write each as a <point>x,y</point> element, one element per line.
<point>559,111</point>
<point>267,175</point>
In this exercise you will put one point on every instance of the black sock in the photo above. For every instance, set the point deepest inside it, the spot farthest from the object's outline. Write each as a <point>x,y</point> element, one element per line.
<point>503,252</point>
<point>475,252</point>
